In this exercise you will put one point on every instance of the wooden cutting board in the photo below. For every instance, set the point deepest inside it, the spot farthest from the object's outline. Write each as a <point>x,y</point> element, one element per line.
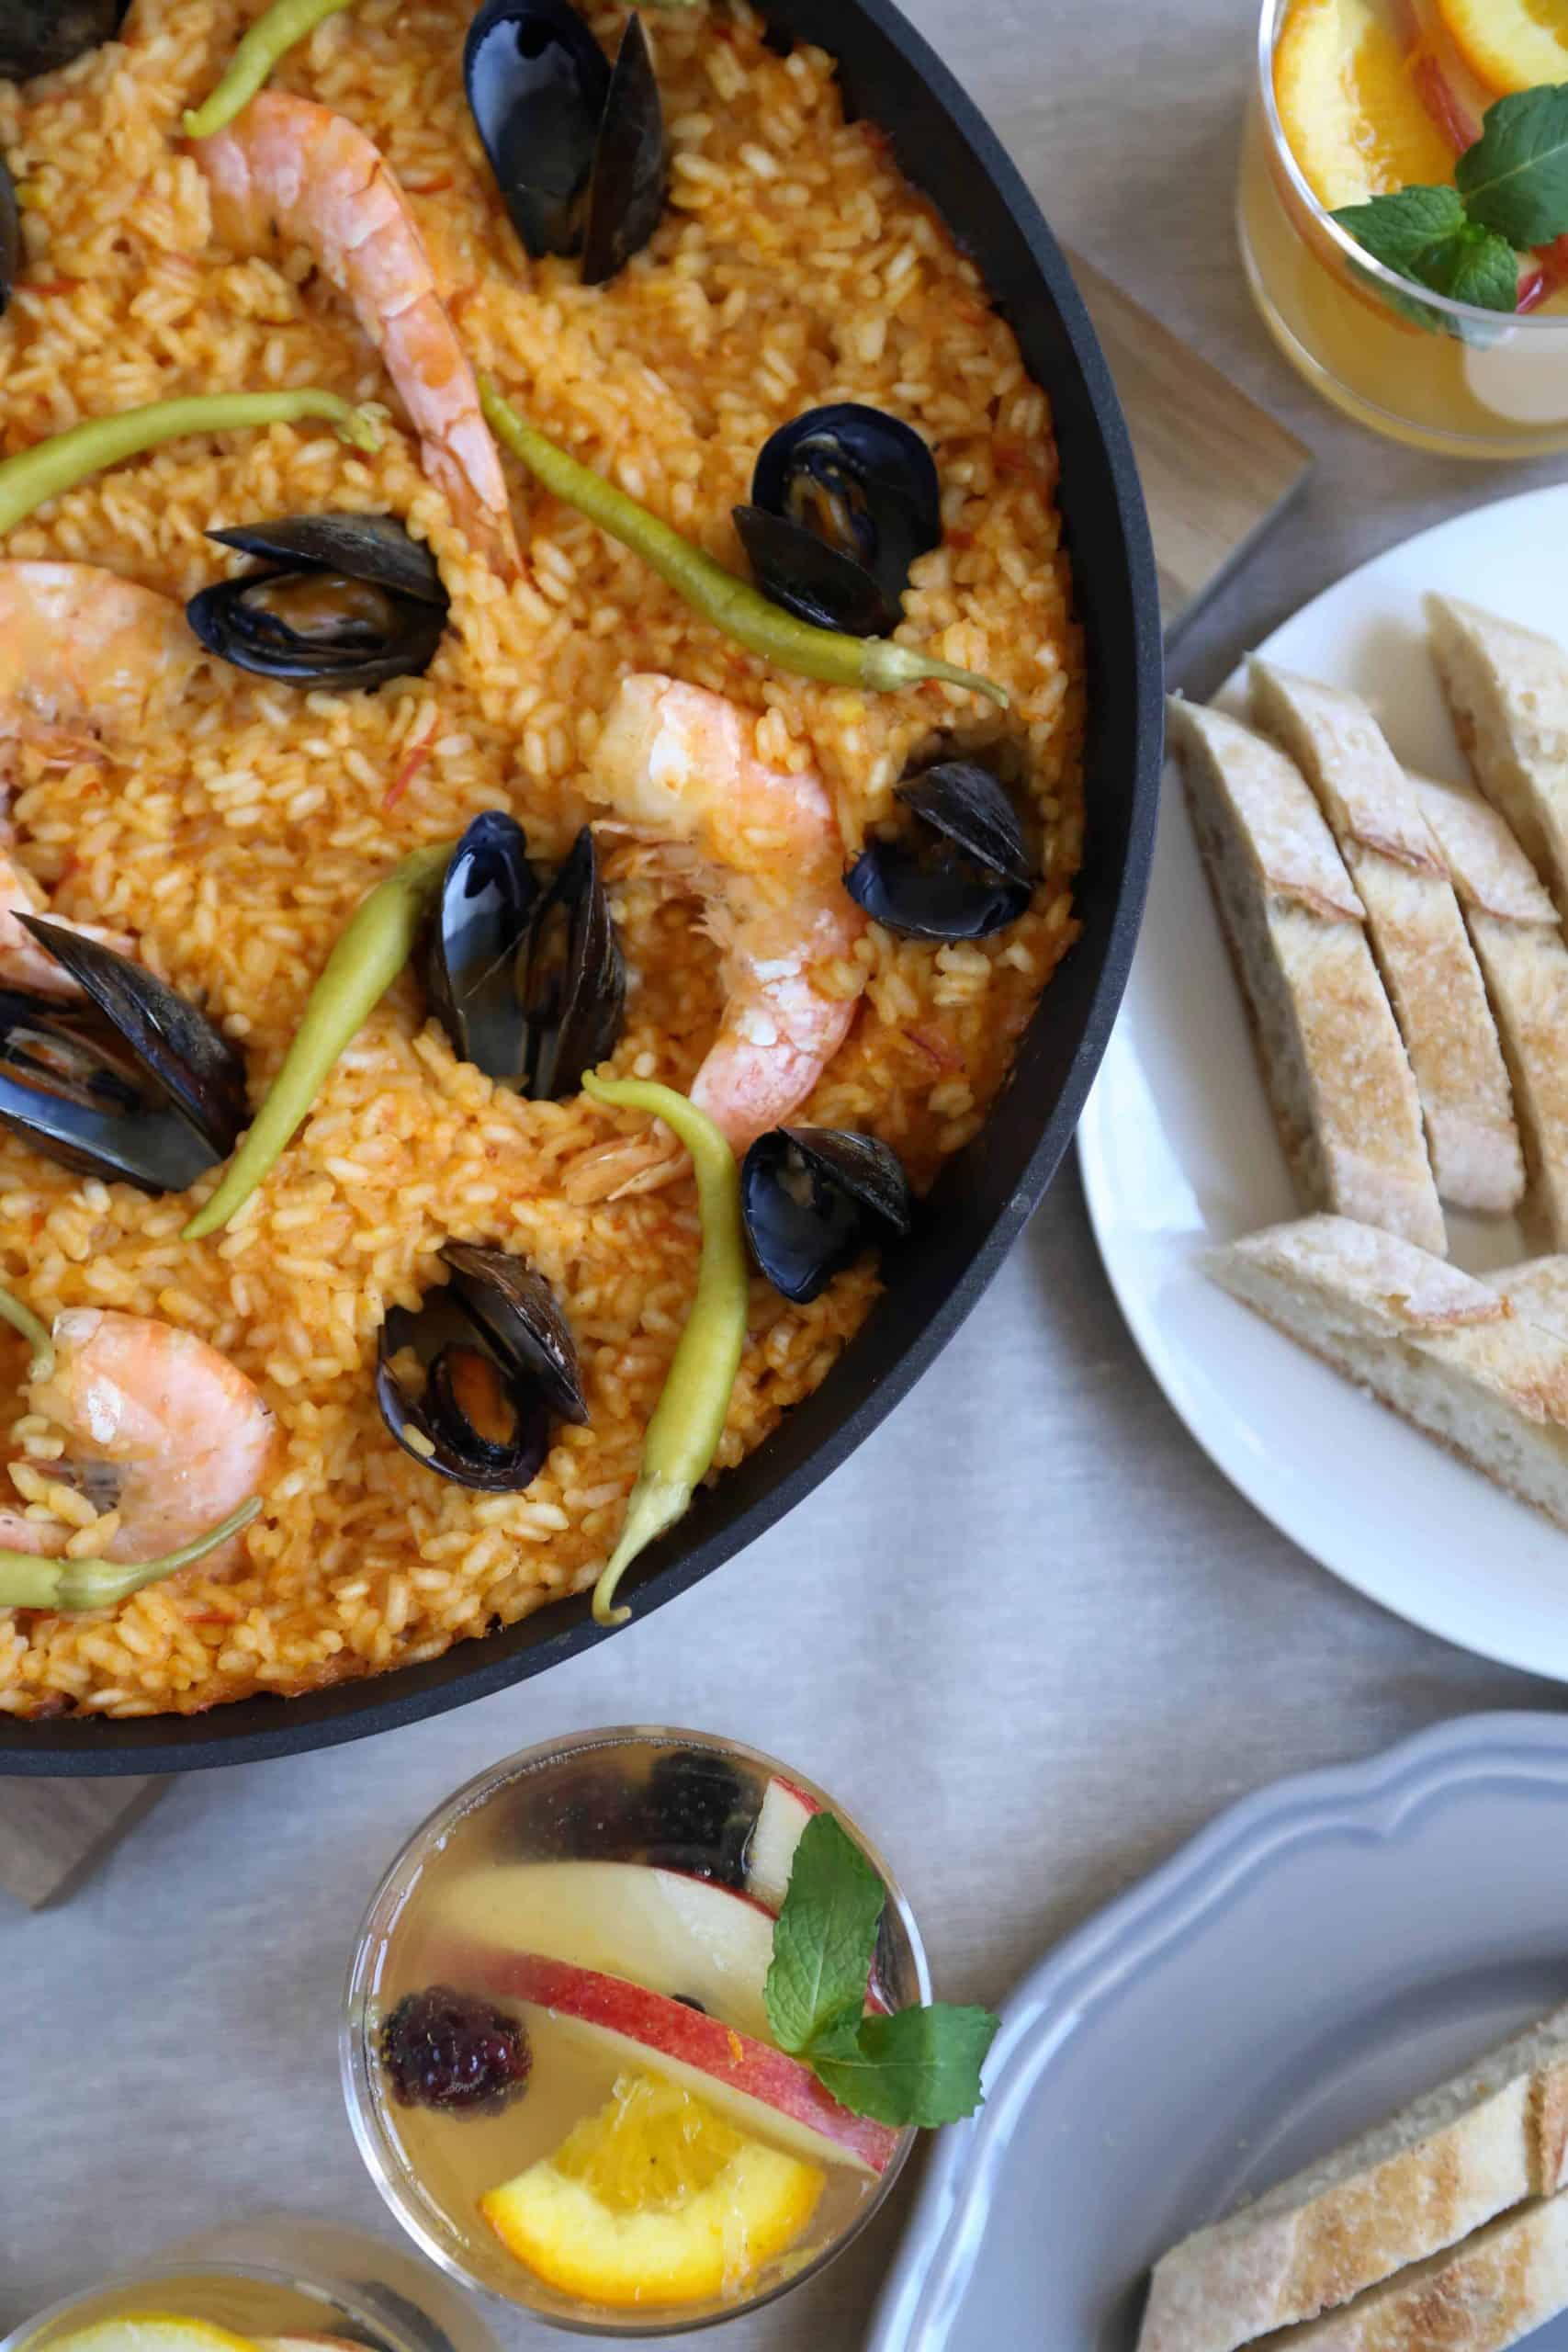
<point>1217,470</point>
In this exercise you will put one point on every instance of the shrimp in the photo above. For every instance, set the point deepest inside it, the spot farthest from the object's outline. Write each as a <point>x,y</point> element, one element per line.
<point>160,1428</point>
<point>289,168</point>
<point>80,649</point>
<point>763,849</point>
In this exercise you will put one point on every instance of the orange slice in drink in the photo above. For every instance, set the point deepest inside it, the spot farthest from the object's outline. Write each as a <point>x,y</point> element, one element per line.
<point>1510,44</point>
<point>1350,108</point>
<point>654,2200</point>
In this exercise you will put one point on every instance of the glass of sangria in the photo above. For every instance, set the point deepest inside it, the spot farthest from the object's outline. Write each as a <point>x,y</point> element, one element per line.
<point>557,2048</point>
<point>1353,99</point>
<point>281,2283</point>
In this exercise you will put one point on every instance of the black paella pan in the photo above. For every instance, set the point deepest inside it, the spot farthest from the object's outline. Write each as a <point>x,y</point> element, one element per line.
<point>985,1195</point>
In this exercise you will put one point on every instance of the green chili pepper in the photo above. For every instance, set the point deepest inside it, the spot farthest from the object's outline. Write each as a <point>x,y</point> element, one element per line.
<point>688,1420</point>
<point>270,39</point>
<point>51,467</point>
<point>22,1318</point>
<point>28,1582</point>
<point>374,948</point>
<point>733,605</point>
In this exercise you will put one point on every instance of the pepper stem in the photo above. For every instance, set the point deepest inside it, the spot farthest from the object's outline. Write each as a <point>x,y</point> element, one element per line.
<point>28,1582</point>
<point>22,1318</point>
<point>889,664</point>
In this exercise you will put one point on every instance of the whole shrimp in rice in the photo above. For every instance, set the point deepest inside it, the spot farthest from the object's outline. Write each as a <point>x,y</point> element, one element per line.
<point>82,652</point>
<point>288,168</point>
<point>159,1427</point>
<point>761,848</point>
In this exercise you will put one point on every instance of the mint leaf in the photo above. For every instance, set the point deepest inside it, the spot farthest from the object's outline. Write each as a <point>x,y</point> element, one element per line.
<point>917,2066</point>
<point>1514,180</point>
<point>1424,235</point>
<point>823,1938</point>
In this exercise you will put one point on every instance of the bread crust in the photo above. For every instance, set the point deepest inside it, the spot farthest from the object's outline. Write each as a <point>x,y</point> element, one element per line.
<point>1507,692</point>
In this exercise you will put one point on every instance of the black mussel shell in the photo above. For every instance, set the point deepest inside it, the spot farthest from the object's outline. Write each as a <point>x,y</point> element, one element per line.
<point>515,1308</point>
<point>861,484</point>
<point>813,1198</point>
<point>626,194</point>
<point>345,600</point>
<point>578,151</point>
<point>10,237</point>
<point>499,1455</point>
<point>961,871</point>
<point>571,977</point>
<point>811,579</point>
<point>37,36</point>
<point>135,1084</point>
<point>470,951</point>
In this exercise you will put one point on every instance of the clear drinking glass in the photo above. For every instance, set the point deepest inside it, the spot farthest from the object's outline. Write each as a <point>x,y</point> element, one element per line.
<point>279,2275</point>
<point>1438,375</point>
<point>716,1821</point>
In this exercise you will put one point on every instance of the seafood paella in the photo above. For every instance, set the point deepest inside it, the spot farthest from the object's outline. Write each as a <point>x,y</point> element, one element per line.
<point>540,726</point>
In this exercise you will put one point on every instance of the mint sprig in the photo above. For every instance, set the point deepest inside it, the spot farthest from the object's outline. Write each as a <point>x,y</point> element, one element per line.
<point>918,2066</point>
<point>1510,192</point>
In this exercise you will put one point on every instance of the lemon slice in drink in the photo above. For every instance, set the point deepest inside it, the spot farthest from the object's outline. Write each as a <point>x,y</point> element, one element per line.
<point>655,2199</point>
<point>153,2331</point>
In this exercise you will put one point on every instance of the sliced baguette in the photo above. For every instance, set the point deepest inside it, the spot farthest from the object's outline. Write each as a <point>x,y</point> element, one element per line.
<point>1430,2175</point>
<point>1442,1350</point>
<point>1538,1291</point>
<point>1336,1070</point>
<point>1520,946</point>
<point>1481,2296</point>
<point>1414,929</point>
<point>1507,689</point>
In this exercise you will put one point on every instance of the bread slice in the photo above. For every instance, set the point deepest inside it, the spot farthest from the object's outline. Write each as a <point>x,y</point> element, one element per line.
<point>1440,1348</point>
<point>1336,1072</point>
<point>1415,929</point>
<point>1519,945</point>
<point>1483,2295</point>
<point>1436,2171</point>
<point>1507,689</point>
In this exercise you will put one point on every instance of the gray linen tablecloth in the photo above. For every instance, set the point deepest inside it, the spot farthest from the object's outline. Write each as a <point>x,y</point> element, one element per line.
<point>1028,1633</point>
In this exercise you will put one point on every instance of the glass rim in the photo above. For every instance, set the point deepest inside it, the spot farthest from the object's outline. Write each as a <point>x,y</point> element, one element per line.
<point>1464,315</point>
<point>165,2264</point>
<point>371,2135</point>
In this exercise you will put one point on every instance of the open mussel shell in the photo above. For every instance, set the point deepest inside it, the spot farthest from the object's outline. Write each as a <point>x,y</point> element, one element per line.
<point>134,1084</point>
<point>578,150</point>
<point>813,1198</point>
<point>515,1308</point>
<point>37,36</point>
<point>854,499</point>
<point>571,978</point>
<point>470,952</point>
<point>10,237</point>
<point>344,600</point>
<point>499,1364</point>
<point>960,870</point>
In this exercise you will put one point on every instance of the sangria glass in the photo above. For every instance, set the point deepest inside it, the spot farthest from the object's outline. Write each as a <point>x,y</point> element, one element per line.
<point>615,1895</point>
<point>1437,374</point>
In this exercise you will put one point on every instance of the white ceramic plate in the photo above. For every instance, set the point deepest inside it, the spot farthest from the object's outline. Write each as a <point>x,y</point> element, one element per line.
<point>1178,1152</point>
<point>1322,1953</point>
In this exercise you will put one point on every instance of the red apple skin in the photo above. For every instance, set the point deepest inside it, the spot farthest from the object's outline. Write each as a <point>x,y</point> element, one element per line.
<point>1432,83</point>
<point>732,2059</point>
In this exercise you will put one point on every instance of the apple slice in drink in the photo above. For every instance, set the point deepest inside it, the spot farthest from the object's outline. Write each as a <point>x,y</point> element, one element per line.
<point>765,2092</point>
<point>769,1856</point>
<point>680,1936</point>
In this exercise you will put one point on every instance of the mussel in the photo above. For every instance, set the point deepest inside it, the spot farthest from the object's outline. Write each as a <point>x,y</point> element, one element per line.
<point>343,600</point>
<point>959,871</point>
<point>530,986</point>
<point>37,36</point>
<point>576,147</point>
<point>10,237</point>
<point>133,1083</point>
<point>499,1368</point>
<point>813,1198</point>
<point>843,502</point>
